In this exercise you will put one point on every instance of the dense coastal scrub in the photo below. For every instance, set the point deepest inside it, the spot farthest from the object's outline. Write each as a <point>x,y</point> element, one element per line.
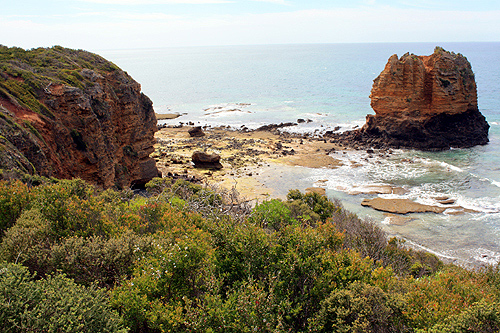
<point>189,258</point>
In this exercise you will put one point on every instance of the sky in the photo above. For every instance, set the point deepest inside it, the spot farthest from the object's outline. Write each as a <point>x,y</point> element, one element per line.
<point>125,24</point>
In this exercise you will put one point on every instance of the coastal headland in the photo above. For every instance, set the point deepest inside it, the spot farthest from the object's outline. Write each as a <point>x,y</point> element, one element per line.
<point>72,114</point>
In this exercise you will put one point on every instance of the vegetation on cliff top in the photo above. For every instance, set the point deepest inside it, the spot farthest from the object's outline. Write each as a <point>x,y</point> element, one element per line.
<point>188,258</point>
<point>25,73</point>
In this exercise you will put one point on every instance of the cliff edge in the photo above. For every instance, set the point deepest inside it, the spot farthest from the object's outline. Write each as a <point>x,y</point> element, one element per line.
<point>425,102</point>
<point>70,113</point>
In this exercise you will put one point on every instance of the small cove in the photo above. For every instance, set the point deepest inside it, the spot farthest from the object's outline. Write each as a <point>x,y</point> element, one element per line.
<point>330,84</point>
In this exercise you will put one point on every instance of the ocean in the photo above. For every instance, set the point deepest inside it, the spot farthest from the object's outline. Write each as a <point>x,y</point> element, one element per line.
<point>330,84</point>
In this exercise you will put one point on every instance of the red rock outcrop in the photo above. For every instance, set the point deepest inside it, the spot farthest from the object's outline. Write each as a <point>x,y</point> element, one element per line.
<point>95,125</point>
<point>426,102</point>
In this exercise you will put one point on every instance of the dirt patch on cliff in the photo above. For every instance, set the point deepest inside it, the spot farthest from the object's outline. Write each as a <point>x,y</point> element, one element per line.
<point>20,112</point>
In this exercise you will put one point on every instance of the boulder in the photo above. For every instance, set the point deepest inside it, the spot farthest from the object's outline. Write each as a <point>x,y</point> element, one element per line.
<point>426,102</point>
<point>204,160</point>
<point>196,132</point>
<point>274,127</point>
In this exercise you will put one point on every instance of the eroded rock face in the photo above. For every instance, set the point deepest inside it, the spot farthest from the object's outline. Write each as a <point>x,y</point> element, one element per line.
<point>426,102</point>
<point>98,126</point>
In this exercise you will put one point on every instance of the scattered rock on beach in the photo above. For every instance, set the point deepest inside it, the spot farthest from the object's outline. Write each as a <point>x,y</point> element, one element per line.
<point>377,189</point>
<point>273,127</point>
<point>447,202</point>
<point>400,206</point>
<point>204,160</point>
<point>196,132</point>
<point>394,219</point>
<point>167,116</point>
<point>318,190</point>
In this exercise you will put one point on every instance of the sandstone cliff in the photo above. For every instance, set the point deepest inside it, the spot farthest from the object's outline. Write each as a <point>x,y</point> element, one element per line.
<point>70,113</point>
<point>425,102</point>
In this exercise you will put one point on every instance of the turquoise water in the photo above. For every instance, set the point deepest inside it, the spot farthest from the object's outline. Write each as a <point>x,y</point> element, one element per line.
<point>330,84</point>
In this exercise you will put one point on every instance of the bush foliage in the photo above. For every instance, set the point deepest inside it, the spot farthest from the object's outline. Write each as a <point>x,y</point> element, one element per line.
<point>54,304</point>
<point>189,258</point>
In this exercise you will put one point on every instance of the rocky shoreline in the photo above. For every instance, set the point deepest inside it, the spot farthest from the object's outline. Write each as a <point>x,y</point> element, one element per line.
<point>245,154</point>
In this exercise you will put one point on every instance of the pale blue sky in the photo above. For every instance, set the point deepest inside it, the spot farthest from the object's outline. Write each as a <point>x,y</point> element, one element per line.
<point>111,24</point>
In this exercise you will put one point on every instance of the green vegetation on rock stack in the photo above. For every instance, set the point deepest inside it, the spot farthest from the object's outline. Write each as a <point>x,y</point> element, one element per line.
<point>191,259</point>
<point>70,113</point>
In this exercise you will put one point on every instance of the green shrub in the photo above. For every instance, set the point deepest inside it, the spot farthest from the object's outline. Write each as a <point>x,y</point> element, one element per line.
<point>243,252</point>
<point>106,262</point>
<point>249,307</point>
<point>406,261</point>
<point>443,296</point>
<point>184,189</point>
<point>481,317</point>
<point>72,209</point>
<point>14,197</point>
<point>301,261</point>
<point>360,235</point>
<point>28,241</point>
<point>492,274</point>
<point>157,185</point>
<point>184,260</point>
<point>272,214</point>
<point>24,94</point>
<point>55,304</point>
<point>179,269</point>
<point>151,214</point>
<point>311,207</point>
<point>359,308</point>
<point>365,237</point>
